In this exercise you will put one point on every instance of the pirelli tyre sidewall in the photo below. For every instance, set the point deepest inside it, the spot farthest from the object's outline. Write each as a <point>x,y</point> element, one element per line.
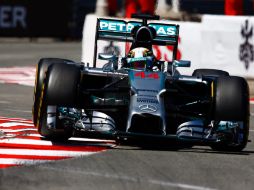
<point>41,69</point>
<point>232,104</point>
<point>209,72</point>
<point>59,88</point>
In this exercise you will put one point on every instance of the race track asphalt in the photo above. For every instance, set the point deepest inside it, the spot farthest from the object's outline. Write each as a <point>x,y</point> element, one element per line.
<point>122,167</point>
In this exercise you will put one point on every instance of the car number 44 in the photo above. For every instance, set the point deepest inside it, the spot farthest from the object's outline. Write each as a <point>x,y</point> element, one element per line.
<point>147,75</point>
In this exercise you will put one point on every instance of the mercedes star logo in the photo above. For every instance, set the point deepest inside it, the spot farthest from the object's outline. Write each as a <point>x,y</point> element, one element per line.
<point>148,108</point>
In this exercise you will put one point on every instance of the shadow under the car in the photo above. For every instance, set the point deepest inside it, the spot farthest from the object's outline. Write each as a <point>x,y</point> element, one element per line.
<point>174,146</point>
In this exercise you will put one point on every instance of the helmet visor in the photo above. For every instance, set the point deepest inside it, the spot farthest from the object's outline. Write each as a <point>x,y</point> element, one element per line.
<point>140,63</point>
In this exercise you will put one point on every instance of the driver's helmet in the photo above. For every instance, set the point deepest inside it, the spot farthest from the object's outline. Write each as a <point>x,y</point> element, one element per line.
<point>140,58</point>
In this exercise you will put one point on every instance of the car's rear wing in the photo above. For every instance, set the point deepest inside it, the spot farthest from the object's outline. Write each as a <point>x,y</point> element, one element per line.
<point>120,30</point>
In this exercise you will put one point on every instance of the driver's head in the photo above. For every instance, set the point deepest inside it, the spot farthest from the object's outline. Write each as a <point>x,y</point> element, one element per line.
<point>143,36</point>
<point>140,58</point>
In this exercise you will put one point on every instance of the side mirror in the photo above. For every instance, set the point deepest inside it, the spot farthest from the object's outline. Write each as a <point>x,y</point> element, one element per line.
<point>181,63</point>
<point>104,56</point>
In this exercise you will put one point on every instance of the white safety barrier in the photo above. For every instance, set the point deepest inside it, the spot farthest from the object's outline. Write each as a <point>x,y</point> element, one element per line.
<point>218,42</point>
<point>228,44</point>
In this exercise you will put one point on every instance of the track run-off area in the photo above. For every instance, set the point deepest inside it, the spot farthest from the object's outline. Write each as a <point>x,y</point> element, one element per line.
<point>28,161</point>
<point>20,144</point>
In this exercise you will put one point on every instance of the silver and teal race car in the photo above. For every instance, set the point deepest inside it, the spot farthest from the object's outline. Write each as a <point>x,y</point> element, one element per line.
<point>138,96</point>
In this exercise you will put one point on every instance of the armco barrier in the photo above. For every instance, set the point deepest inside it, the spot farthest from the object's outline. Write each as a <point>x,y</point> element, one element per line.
<point>218,42</point>
<point>228,44</point>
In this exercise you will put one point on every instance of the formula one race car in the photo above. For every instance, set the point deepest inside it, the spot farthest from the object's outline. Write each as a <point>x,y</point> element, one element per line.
<point>138,95</point>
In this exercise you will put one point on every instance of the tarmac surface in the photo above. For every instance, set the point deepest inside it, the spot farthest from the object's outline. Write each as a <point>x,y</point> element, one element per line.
<point>122,167</point>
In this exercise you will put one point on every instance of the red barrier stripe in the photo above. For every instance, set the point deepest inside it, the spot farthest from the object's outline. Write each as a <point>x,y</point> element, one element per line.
<point>81,143</point>
<point>7,165</point>
<point>11,120</point>
<point>27,137</point>
<point>21,144</point>
<point>17,127</point>
<point>22,137</point>
<point>16,119</point>
<point>22,132</point>
<point>19,133</point>
<point>55,147</point>
<point>33,157</point>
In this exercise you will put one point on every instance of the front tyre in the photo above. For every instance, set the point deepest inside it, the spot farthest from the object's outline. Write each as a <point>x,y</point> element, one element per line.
<point>41,69</point>
<point>232,104</point>
<point>60,88</point>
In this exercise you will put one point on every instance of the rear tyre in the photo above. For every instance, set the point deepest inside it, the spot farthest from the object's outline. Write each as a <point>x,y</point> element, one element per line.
<point>209,72</point>
<point>60,88</point>
<point>232,104</point>
<point>41,69</point>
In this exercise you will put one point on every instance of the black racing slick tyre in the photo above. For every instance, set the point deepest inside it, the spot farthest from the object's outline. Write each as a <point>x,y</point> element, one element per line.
<point>63,85</point>
<point>59,89</point>
<point>41,69</point>
<point>209,72</point>
<point>232,104</point>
